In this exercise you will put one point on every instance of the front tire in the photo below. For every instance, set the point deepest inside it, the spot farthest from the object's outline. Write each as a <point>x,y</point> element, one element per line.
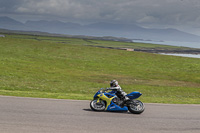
<point>97,106</point>
<point>136,107</point>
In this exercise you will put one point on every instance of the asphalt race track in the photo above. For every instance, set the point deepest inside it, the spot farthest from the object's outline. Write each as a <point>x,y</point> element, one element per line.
<point>32,115</point>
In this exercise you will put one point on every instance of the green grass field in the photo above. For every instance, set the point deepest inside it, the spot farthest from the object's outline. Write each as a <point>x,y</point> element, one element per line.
<point>66,68</point>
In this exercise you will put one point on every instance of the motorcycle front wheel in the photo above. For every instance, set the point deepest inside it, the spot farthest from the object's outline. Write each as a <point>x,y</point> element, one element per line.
<point>97,106</point>
<point>136,107</point>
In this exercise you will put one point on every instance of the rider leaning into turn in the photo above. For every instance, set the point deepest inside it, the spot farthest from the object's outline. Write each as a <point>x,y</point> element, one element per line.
<point>120,93</point>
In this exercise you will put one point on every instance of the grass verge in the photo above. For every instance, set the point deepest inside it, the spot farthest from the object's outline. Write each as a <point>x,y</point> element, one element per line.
<point>64,68</point>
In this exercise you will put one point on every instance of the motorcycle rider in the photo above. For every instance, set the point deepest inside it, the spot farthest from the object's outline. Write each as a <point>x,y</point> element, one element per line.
<point>120,93</point>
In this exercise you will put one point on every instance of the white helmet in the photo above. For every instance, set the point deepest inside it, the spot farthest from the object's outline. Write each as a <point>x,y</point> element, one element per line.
<point>113,83</point>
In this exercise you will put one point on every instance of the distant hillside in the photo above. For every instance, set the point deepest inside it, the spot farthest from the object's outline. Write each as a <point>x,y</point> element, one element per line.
<point>8,23</point>
<point>130,31</point>
<point>39,33</point>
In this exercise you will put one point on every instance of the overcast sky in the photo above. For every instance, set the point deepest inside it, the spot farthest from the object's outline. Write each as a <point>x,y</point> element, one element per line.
<point>180,14</point>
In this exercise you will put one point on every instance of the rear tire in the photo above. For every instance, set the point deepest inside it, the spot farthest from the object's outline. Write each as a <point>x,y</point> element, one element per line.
<point>97,106</point>
<point>136,107</point>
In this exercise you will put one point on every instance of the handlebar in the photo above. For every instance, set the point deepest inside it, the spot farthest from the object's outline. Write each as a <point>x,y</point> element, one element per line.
<point>103,90</point>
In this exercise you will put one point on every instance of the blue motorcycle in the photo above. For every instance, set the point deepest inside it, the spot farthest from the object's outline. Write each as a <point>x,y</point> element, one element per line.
<point>109,101</point>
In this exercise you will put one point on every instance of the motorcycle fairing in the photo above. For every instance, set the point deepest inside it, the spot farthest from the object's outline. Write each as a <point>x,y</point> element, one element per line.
<point>114,107</point>
<point>105,98</point>
<point>134,95</point>
<point>110,106</point>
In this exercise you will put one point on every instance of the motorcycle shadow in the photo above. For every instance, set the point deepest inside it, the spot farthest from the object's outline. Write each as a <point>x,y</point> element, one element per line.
<point>121,112</point>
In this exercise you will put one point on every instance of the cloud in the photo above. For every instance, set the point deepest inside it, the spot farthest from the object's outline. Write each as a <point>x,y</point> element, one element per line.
<point>150,13</point>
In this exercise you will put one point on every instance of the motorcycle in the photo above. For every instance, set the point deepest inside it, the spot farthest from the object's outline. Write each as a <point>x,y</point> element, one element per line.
<point>109,101</point>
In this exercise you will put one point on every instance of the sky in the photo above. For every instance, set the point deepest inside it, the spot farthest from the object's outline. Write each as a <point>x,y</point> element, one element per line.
<point>183,15</point>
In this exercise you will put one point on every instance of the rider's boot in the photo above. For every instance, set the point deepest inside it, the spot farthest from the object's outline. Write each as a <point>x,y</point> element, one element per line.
<point>125,99</point>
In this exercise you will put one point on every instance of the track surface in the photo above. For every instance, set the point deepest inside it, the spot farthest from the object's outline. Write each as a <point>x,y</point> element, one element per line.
<point>30,115</point>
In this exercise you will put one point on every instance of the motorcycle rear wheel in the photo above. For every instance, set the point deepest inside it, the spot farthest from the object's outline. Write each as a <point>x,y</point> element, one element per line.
<point>97,106</point>
<point>136,107</point>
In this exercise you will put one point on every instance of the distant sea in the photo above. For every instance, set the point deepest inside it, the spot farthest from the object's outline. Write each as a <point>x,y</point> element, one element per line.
<point>176,43</point>
<point>173,43</point>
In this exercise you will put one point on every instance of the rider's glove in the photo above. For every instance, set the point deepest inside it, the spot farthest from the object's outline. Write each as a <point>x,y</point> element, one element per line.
<point>106,89</point>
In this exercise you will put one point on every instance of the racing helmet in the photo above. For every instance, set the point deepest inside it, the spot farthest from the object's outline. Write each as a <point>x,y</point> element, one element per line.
<point>113,83</point>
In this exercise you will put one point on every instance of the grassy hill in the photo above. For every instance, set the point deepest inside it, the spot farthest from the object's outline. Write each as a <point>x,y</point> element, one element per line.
<point>58,67</point>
